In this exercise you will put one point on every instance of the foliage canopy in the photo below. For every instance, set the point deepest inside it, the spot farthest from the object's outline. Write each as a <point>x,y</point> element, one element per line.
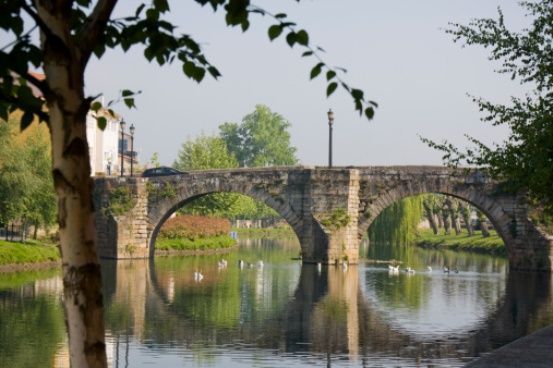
<point>525,158</point>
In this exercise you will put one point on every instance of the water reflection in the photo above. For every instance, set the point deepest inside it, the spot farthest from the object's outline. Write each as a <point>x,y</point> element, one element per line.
<point>284,314</point>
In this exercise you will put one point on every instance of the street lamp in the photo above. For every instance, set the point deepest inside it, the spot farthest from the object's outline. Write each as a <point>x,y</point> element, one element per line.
<point>132,147</point>
<point>122,125</point>
<point>330,114</point>
<point>110,159</point>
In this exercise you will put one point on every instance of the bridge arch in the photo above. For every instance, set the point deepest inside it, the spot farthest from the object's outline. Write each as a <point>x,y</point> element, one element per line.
<point>161,209</point>
<point>491,207</point>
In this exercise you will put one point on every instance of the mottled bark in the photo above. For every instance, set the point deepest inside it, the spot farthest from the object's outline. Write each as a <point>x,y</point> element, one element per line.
<point>430,217</point>
<point>483,223</point>
<point>466,212</point>
<point>64,63</point>
<point>446,221</point>
<point>452,208</point>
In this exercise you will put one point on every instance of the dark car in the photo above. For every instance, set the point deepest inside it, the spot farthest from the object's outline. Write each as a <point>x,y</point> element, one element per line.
<point>160,171</point>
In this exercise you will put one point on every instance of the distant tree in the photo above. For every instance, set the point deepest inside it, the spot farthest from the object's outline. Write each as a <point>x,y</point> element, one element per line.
<point>154,160</point>
<point>210,152</point>
<point>262,139</point>
<point>203,153</point>
<point>525,158</point>
<point>26,189</point>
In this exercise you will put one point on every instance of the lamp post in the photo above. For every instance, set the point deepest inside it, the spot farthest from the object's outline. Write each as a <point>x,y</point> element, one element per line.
<point>110,159</point>
<point>122,125</point>
<point>132,147</point>
<point>330,114</point>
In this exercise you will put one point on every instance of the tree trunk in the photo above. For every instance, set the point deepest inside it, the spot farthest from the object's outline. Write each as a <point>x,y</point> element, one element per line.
<point>35,231</point>
<point>67,108</point>
<point>482,222</point>
<point>452,209</point>
<point>430,217</point>
<point>447,223</point>
<point>465,212</point>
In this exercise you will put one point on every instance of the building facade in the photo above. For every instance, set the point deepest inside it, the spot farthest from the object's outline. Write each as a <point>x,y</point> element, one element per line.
<point>107,146</point>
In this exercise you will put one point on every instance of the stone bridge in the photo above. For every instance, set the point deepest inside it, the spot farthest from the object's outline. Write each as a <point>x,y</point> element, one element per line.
<point>329,209</point>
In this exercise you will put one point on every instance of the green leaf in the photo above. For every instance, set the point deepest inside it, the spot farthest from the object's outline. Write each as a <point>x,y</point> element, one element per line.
<point>102,122</point>
<point>274,31</point>
<point>280,16</point>
<point>152,15</point>
<point>26,120</point>
<point>96,105</point>
<point>214,72</point>
<point>316,70</point>
<point>127,93</point>
<point>302,37</point>
<point>307,53</point>
<point>292,38</point>
<point>357,94</point>
<point>369,113</point>
<point>331,88</point>
<point>161,5</point>
<point>129,102</point>
<point>330,74</point>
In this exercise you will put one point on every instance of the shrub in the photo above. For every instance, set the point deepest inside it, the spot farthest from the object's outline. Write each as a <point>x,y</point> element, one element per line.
<point>194,227</point>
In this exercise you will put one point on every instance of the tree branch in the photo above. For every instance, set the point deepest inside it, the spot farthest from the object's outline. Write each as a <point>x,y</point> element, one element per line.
<point>95,26</point>
<point>38,20</point>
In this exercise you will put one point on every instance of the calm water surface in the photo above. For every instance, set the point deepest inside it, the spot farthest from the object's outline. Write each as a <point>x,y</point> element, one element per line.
<point>283,314</point>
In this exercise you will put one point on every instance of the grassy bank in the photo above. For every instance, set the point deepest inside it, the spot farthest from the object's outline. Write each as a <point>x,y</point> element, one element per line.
<point>475,243</point>
<point>269,232</point>
<point>29,252</point>
<point>214,242</point>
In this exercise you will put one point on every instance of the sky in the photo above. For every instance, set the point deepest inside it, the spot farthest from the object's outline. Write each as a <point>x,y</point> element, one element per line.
<point>395,50</point>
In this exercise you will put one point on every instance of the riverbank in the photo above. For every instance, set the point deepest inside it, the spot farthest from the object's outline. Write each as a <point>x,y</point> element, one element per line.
<point>199,244</point>
<point>31,255</point>
<point>462,242</point>
<point>266,233</point>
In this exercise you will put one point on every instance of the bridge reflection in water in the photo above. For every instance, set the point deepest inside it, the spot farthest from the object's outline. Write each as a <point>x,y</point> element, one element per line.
<point>286,313</point>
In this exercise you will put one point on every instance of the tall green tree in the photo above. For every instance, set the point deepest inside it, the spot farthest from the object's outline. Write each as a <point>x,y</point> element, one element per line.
<point>210,152</point>
<point>61,37</point>
<point>525,158</point>
<point>261,139</point>
<point>204,152</point>
<point>26,189</point>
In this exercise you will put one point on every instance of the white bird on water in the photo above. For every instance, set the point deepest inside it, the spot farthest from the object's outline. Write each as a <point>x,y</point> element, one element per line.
<point>410,271</point>
<point>198,276</point>
<point>393,269</point>
<point>429,269</point>
<point>319,266</point>
<point>241,264</point>
<point>344,265</point>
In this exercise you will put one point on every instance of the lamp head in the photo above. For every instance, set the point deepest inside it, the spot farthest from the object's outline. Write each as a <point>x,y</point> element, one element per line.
<point>122,125</point>
<point>132,129</point>
<point>330,114</point>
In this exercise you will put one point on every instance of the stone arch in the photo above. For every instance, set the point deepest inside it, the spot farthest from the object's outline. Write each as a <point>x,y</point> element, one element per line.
<point>476,195</point>
<point>161,209</point>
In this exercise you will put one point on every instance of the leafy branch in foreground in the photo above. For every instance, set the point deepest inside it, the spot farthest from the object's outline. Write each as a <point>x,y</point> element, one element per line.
<point>525,159</point>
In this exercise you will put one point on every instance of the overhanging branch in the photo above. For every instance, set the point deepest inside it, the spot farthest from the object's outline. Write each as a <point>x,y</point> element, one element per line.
<point>95,26</point>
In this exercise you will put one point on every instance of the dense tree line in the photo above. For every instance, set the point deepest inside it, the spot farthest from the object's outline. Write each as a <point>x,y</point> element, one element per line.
<point>26,187</point>
<point>398,224</point>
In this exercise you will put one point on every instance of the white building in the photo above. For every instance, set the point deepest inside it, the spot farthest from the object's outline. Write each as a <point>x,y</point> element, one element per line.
<point>103,145</point>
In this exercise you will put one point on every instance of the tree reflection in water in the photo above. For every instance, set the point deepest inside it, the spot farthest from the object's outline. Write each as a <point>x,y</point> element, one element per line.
<point>286,314</point>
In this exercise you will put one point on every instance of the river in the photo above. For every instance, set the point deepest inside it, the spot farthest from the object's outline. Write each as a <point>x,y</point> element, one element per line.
<point>284,314</point>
